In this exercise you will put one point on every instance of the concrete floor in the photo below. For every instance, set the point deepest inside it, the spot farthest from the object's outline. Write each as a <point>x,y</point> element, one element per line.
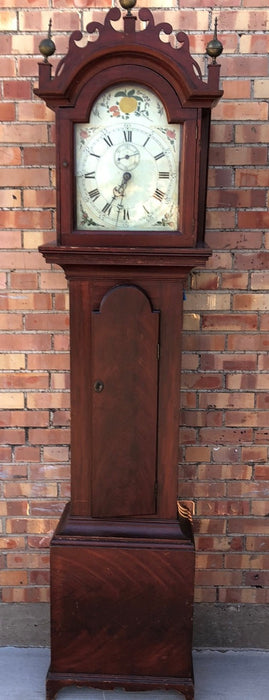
<point>219,675</point>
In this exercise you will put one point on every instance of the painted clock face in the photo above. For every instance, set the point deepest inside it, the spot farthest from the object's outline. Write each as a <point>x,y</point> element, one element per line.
<point>127,164</point>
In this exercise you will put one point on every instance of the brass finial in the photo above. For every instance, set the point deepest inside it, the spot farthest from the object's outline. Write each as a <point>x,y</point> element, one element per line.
<point>214,47</point>
<point>47,46</point>
<point>127,5</point>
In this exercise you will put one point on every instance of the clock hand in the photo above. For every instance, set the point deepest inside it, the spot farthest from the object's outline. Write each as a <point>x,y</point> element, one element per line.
<point>119,190</point>
<point>127,156</point>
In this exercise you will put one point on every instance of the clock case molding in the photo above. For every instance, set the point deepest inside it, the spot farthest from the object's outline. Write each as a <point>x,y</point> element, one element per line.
<point>122,557</point>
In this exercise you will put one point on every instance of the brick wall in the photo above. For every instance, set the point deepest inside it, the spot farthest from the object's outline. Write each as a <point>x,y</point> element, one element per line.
<point>225,417</point>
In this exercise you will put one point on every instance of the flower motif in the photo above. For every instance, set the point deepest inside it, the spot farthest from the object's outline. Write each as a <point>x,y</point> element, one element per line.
<point>115,110</point>
<point>170,134</point>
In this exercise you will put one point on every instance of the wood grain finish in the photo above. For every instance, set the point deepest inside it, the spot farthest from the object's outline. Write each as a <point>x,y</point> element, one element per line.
<point>132,604</point>
<point>125,389</point>
<point>122,564</point>
<point>122,610</point>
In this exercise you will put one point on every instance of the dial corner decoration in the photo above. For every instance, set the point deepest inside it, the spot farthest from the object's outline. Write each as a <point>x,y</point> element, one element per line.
<point>127,163</point>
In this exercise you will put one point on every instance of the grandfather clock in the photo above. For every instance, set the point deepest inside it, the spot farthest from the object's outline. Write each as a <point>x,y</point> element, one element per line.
<point>132,135</point>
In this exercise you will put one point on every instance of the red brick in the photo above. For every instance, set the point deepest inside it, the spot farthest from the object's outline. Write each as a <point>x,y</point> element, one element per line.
<point>257,544</point>
<point>257,578</point>
<point>241,66</point>
<point>254,454</point>
<point>20,380</point>
<point>205,595</point>
<point>14,578</point>
<point>256,341</point>
<point>238,155</point>
<point>226,400</point>
<point>250,177</point>
<point>55,321</point>
<point>262,472</point>
<point>226,436</point>
<point>16,89</point>
<point>204,342</point>
<point>209,561</point>
<point>7,111</point>
<point>208,543</point>
<point>237,198</point>
<point>48,361</point>
<point>222,455</point>
<point>51,436</point>
<point>224,472</point>
<point>12,436</point>
<point>252,133</point>
<point>219,260</point>
<point>246,239</point>
<point>40,578</point>
<point>220,219</point>
<point>7,67</point>
<point>46,508</point>
<point>237,90</point>
<point>220,177</point>
<point>255,44</point>
<point>253,219</point>
<point>27,454</point>
<point>204,381</point>
<point>228,362</point>
<point>243,110</point>
<point>229,322</point>
<point>39,155</point>
<point>234,280</point>
<point>262,401</point>
<point>8,543</point>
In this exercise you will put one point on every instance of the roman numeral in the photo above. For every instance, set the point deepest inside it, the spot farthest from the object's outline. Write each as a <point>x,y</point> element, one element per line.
<point>94,194</point>
<point>144,144</point>
<point>95,155</point>
<point>107,208</point>
<point>91,175</point>
<point>158,194</point>
<point>108,141</point>
<point>128,136</point>
<point>163,175</point>
<point>160,155</point>
<point>124,212</point>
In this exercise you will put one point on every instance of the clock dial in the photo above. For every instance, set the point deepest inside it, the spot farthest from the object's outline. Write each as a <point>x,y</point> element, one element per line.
<point>127,169</point>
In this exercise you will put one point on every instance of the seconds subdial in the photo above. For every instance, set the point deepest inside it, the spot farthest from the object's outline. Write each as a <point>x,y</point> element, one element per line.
<point>127,155</point>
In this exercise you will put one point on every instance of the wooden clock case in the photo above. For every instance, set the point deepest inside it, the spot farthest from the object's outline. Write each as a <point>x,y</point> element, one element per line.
<point>122,557</point>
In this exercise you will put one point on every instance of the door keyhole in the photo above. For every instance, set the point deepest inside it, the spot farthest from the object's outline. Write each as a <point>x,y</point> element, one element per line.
<point>98,386</point>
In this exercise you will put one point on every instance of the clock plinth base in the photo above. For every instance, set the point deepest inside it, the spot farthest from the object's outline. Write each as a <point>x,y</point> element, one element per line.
<point>57,681</point>
<point>122,598</point>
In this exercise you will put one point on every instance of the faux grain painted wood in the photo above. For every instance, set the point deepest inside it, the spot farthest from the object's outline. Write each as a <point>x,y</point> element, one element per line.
<point>122,560</point>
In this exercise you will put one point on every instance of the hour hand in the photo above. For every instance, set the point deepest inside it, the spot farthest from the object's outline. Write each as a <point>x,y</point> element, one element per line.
<point>119,190</point>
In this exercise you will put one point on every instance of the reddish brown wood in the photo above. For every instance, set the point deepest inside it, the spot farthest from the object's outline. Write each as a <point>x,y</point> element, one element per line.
<point>140,57</point>
<point>129,601</point>
<point>125,335</point>
<point>122,562</point>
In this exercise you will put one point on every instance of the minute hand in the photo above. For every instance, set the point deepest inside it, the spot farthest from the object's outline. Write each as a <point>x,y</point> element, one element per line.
<point>121,191</point>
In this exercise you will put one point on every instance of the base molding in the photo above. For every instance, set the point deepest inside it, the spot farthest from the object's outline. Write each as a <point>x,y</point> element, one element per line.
<point>57,681</point>
<point>215,625</point>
